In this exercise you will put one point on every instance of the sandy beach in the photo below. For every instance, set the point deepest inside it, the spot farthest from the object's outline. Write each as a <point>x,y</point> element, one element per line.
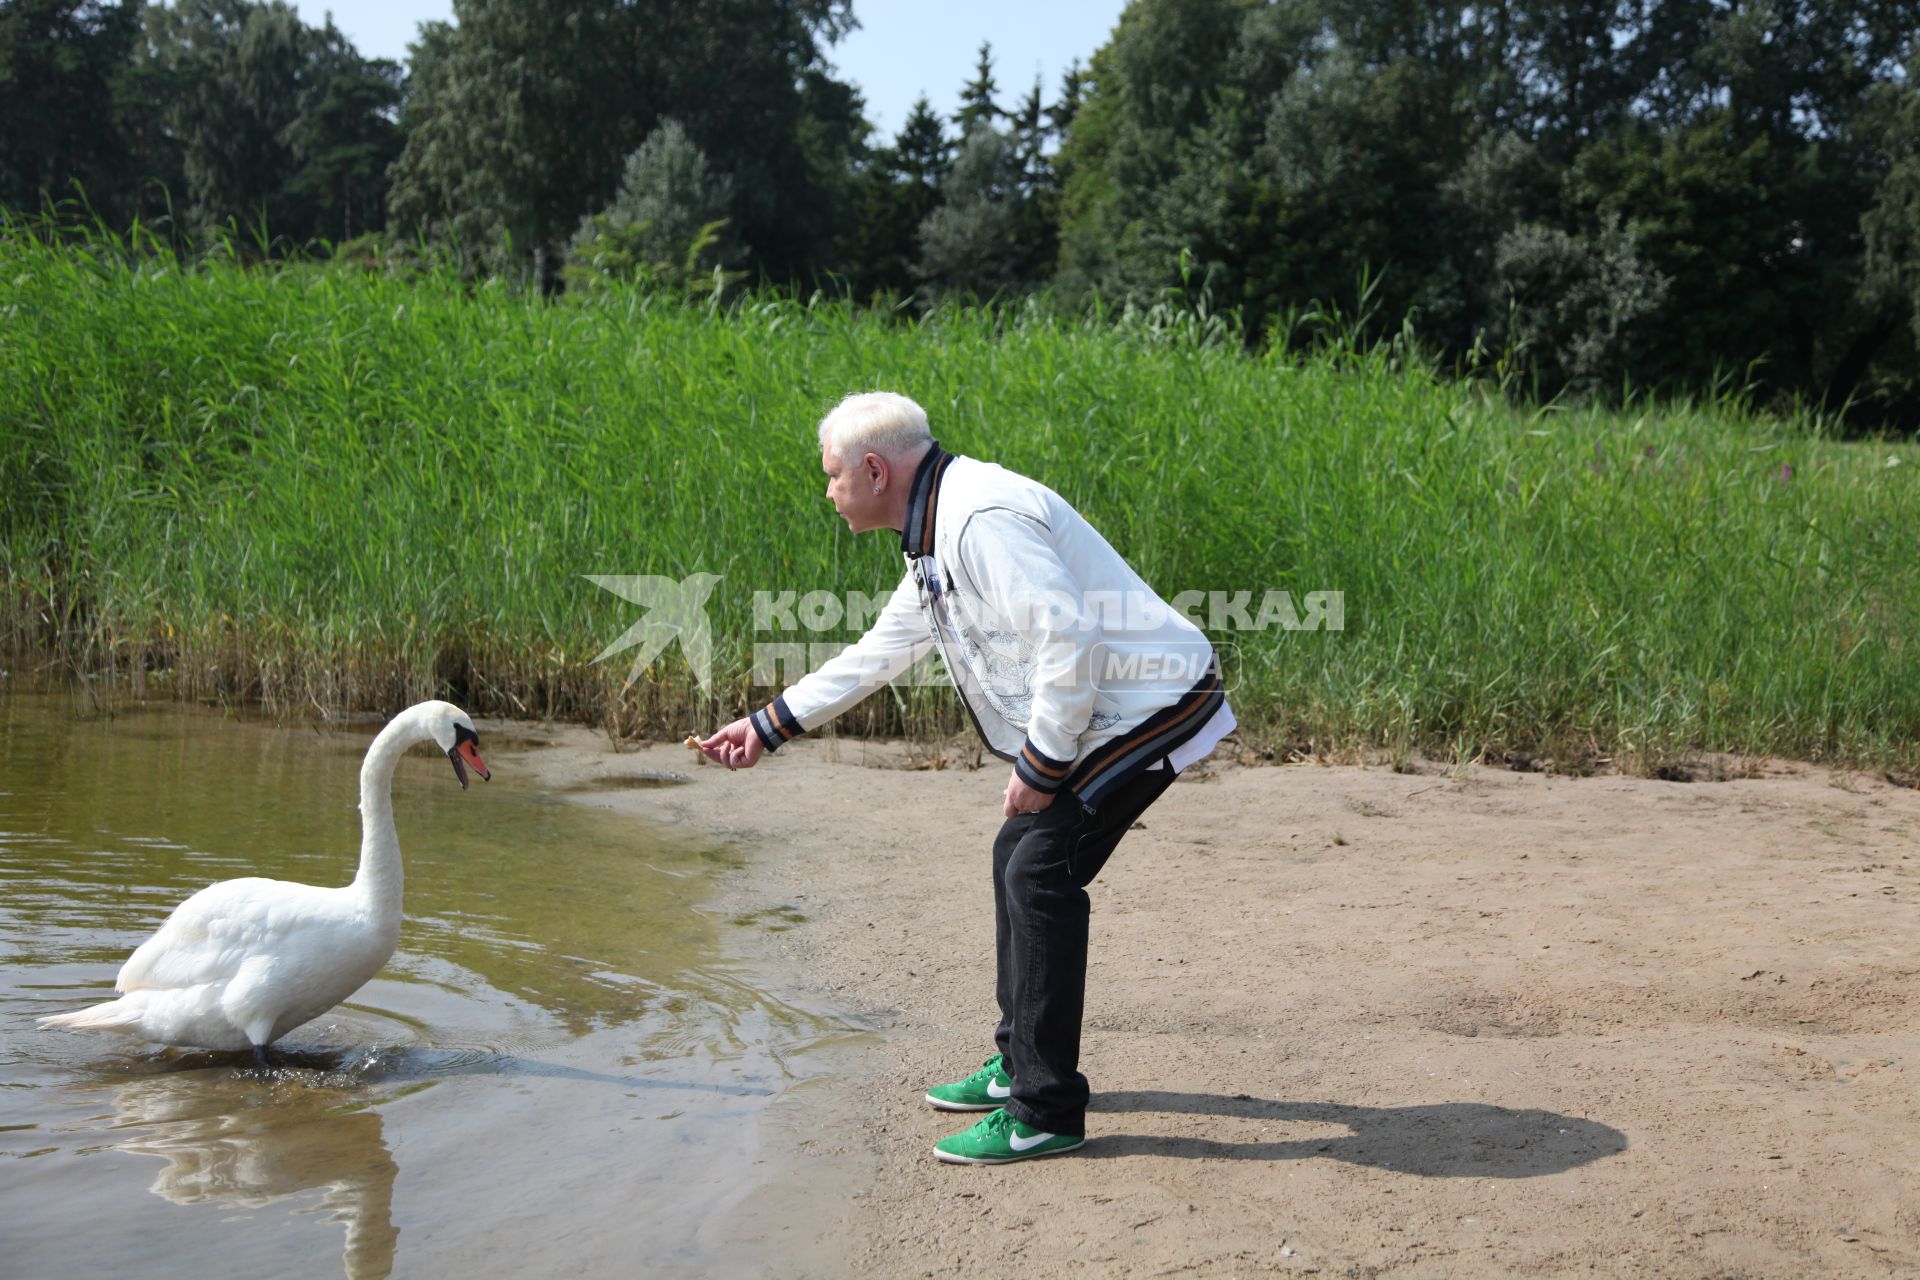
<point>1349,1021</point>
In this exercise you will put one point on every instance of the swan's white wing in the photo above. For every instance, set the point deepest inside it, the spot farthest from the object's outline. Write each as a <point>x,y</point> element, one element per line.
<point>210,935</point>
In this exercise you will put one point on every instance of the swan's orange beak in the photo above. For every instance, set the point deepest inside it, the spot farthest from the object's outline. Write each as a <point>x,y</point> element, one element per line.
<point>465,751</point>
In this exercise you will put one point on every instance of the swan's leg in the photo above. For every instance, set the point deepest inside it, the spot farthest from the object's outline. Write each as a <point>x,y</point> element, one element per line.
<point>258,1030</point>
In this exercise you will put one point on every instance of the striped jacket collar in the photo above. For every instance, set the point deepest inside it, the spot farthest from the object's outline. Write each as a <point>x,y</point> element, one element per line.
<point>916,536</point>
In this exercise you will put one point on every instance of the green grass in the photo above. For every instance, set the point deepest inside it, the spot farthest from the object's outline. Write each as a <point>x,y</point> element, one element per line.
<point>315,486</point>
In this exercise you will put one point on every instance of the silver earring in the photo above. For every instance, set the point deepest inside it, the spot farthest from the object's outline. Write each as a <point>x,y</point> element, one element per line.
<point>876,488</point>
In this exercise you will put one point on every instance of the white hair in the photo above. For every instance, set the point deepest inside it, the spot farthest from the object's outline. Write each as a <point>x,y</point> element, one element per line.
<point>873,422</point>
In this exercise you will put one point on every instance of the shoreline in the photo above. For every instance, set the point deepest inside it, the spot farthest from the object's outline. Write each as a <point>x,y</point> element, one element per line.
<point>1556,1024</point>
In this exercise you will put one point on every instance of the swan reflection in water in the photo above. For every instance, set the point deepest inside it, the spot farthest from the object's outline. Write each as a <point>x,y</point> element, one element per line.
<point>253,1146</point>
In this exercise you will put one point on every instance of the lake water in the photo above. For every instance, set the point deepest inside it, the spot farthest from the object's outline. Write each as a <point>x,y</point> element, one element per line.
<point>563,1069</point>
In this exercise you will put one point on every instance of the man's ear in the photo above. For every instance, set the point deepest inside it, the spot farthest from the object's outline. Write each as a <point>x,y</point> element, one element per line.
<point>876,469</point>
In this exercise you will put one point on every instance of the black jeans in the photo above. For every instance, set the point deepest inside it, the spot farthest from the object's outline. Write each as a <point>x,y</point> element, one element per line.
<point>1042,865</point>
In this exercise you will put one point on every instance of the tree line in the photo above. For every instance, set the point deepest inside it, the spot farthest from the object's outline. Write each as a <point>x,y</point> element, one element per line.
<point>1581,195</point>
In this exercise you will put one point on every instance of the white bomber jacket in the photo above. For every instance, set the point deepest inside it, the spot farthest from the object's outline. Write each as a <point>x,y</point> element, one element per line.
<point>1069,664</point>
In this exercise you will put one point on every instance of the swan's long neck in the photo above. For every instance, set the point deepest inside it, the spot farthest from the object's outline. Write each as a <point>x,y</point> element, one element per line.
<point>380,879</point>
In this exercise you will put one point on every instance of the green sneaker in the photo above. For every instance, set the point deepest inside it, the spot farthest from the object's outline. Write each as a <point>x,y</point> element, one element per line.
<point>985,1090</point>
<point>1000,1139</point>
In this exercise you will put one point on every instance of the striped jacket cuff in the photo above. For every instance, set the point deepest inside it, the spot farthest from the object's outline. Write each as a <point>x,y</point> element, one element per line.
<point>775,724</point>
<point>1039,770</point>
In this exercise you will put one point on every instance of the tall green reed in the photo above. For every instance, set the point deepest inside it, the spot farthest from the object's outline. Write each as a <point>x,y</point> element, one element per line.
<point>322,487</point>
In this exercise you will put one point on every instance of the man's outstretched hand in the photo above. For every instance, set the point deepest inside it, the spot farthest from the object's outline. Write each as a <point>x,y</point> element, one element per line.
<point>737,746</point>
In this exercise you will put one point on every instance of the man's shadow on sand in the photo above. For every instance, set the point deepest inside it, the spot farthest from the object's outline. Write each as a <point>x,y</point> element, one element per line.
<point>1438,1140</point>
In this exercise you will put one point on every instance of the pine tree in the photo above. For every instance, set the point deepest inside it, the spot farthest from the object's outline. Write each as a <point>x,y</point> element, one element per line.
<point>667,222</point>
<point>974,244</point>
<point>344,138</point>
<point>1073,88</point>
<point>1039,215</point>
<point>1028,127</point>
<point>923,150</point>
<point>901,188</point>
<point>976,98</point>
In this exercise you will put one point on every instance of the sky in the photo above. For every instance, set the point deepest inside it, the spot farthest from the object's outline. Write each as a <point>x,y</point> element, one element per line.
<point>903,47</point>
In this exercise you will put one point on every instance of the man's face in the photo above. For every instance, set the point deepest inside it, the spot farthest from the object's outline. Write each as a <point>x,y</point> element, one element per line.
<point>850,489</point>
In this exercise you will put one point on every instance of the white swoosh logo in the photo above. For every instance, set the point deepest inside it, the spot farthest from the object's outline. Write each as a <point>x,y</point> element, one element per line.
<point>1019,1143</point>
<point>998,1090</point>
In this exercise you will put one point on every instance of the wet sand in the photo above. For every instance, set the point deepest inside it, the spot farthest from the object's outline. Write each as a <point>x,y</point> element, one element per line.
<point>1348,1021</point>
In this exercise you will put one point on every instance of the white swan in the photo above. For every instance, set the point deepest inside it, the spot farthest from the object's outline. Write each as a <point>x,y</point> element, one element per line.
<point>242,962</point>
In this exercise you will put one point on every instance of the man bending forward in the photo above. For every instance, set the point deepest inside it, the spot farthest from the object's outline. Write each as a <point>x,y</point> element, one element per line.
<point>1071,667</point>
